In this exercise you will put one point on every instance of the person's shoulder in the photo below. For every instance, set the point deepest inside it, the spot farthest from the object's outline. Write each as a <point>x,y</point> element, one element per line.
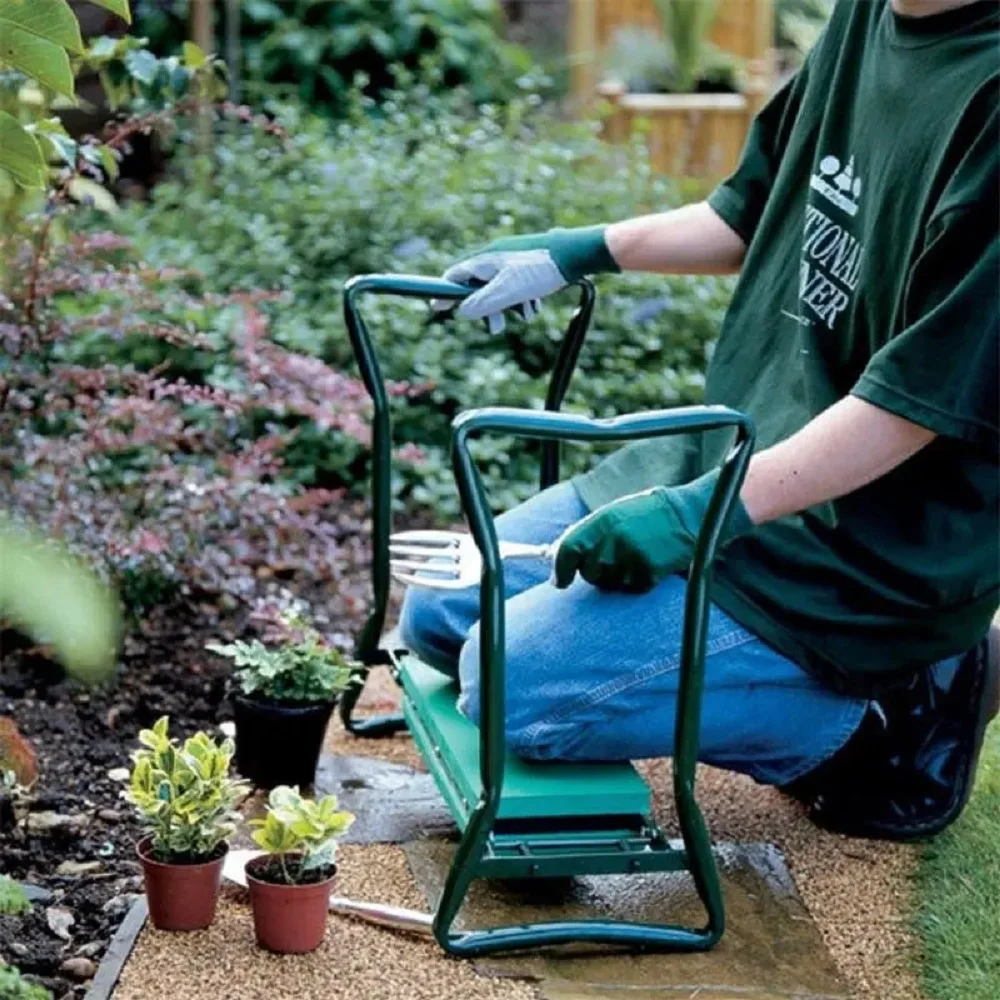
<point>972,162</point>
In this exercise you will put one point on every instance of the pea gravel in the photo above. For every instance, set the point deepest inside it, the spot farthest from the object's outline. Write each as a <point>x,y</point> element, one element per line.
<point>355,962</point>
<point>857,891</point>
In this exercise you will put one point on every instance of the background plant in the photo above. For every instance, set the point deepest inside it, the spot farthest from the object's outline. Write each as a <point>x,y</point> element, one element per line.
<point>40,59</point>
<point>302,834</point>
<point>686,23</point>
<point>184,794</point>
<point>112,439</point>
<point>13,899</point>
<point>680,59</point>
<point>13,986</point>
<point>300,665</point>
<point>311,51</point>
<point>799,23</point>
<point>299,216</point>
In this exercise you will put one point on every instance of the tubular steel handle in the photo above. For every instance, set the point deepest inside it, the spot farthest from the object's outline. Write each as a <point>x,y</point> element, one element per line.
<point>565,427</point>
<point>420,287</point>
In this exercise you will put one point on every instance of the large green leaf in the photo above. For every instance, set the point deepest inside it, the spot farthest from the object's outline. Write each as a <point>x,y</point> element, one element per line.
<point>58,600</point>
<point>49,19</point>
<point>20,155</point>
<point>41,59</point>
<point>91,193</point>
<point>119,7</point>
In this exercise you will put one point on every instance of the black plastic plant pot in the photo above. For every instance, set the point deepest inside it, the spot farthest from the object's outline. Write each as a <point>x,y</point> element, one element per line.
<point>279,743</point>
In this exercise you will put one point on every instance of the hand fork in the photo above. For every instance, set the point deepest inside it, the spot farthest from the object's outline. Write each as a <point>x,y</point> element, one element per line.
<point>449,560</point>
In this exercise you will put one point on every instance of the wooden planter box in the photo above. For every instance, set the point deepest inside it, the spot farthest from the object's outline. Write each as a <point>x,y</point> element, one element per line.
<point>694,135</point>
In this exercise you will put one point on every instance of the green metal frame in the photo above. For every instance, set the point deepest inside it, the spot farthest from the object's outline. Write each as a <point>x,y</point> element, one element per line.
<point>484,849</point>
<point>367,648</point>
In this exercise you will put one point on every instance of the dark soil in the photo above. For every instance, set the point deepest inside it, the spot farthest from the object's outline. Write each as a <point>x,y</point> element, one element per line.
<point>270,871</point>
<point>80,735</point>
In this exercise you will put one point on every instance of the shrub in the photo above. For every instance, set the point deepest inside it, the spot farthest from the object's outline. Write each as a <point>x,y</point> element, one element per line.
<point>183,794</point>
<point>407,192</point>
<point>299,666</point>
<point>312,51</point>
<point>302,834</point>
<point>113,441</point>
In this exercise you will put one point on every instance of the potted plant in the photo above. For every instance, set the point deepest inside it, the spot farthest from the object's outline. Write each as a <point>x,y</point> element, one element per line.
<point>287,692</point>
<point>187,802</point>
<point>691,85</point>
<point>681,60</point>
<point>290,885</point>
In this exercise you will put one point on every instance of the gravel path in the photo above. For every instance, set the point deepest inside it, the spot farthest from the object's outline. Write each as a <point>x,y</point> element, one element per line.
<point>857,891</point>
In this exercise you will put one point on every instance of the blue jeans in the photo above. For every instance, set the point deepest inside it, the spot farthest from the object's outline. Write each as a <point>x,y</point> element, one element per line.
<point>593,675</point>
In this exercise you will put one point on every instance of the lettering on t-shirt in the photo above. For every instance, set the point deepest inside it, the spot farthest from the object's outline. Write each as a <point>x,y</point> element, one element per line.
<point>831,253</point>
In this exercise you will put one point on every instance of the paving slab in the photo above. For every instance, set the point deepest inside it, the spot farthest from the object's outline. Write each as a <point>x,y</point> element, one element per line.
<point>772,949</point>
<point>393,803</point>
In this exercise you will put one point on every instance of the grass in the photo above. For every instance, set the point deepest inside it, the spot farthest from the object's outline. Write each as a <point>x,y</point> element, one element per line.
<point>958,889</point>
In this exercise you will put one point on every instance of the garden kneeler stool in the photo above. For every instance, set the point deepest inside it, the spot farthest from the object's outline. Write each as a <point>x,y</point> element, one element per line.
<point>524,819</point>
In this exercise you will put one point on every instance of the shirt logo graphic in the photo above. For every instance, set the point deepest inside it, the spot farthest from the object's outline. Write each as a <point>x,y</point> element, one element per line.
<point>838,184</point>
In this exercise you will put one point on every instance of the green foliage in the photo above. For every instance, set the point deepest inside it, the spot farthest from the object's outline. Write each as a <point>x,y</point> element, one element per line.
<point>13,899</point>
<point>183,793</point>
<point>57,599</point>
<point>36,38</point>
<point>408,192</point>
<point>680,60</point>
<point>13,986</point>
<point>41,54</point>
<point>799,23</point>
<point>304,667</point>
<point>312,51</point>
<point>686,24</point>
<point>301,832</point>
<point>131,75</point>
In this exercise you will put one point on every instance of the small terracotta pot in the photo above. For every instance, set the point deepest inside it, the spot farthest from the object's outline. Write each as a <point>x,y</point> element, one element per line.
<point>288,919</point>
<point>181,897</point>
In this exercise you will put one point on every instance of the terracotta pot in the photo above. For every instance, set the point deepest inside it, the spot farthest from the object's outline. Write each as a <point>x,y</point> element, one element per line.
<point>278,743</point>
<point>288,919</point>
<point>181,897</point>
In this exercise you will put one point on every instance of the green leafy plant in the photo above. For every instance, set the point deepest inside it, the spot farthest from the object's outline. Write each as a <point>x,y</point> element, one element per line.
<point>13,899</point>
<point>302,835</point>
<point>297,216</point>
<point>41,55</point>
<point>13,986</point>
<point>57,599</point>
<point>313,51</point>
<point>300,667</point>
<point>680,60</point>
<point>686,24</point>
<point>639,59</point>
<point>183,793</point>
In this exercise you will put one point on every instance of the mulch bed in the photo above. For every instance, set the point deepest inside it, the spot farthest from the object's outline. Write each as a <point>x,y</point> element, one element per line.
<point>76,812</point>
<point>80,734</point>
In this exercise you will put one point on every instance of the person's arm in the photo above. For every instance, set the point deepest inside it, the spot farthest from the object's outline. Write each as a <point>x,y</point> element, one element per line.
<point>633,543</point>
<point>688,240</point>
<point>846,447</point>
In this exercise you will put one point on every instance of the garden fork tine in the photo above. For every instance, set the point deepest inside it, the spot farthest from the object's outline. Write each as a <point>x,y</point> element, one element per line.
<point>448,560</point>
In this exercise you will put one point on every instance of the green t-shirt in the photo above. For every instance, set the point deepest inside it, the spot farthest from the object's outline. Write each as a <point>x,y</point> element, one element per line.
<point>867,195</point>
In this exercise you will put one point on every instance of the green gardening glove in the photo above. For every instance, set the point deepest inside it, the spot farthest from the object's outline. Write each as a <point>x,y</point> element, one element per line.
<point>517,272</point>
<point>632,543</point>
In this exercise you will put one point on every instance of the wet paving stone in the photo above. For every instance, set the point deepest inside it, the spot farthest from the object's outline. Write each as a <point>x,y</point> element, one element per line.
<point>771,950</point>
